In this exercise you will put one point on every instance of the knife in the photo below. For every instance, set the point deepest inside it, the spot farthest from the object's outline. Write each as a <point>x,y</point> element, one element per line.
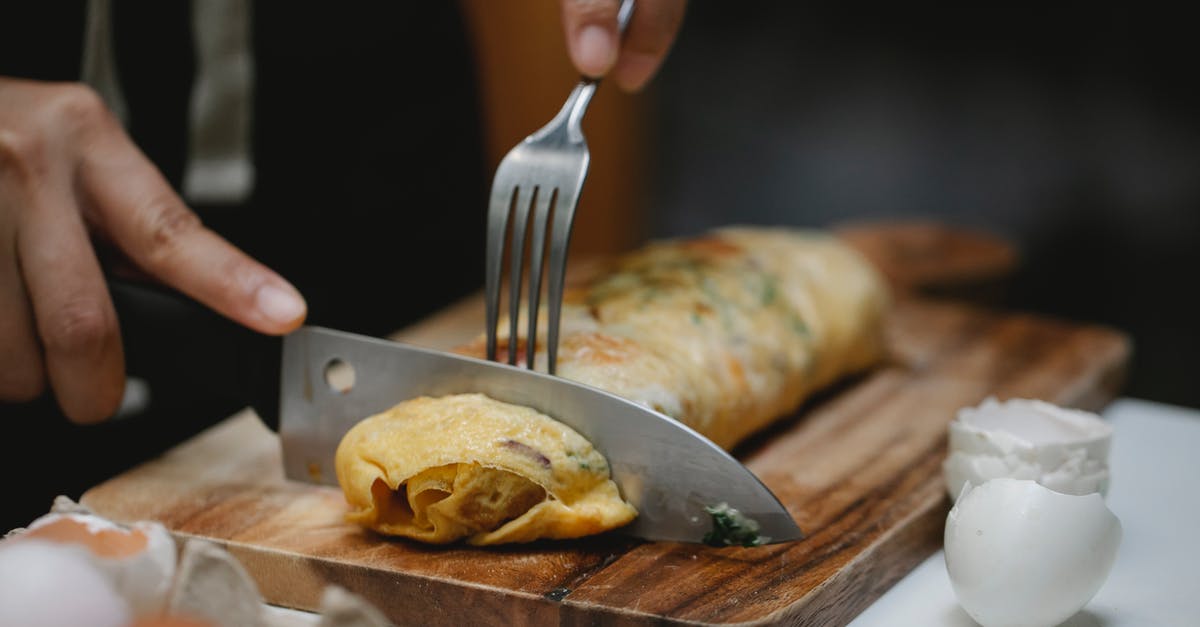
<point>666,470</point>
<point>189,353</point>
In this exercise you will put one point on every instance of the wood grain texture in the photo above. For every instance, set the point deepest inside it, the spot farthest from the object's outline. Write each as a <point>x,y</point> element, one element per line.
<point>930,255</point>
<point>859,469</point>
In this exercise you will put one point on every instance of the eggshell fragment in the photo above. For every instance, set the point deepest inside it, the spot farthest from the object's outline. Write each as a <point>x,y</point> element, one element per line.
<point>52,585</point>
<point>213,586</point>
<point>1021,555</point>
<point>171,621</point>
<point>1065,450</point>
<point>341,608</point>
<point>139,559</point>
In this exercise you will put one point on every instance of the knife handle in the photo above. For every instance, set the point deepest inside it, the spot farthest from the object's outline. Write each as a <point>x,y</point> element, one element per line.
<point>184,350</point>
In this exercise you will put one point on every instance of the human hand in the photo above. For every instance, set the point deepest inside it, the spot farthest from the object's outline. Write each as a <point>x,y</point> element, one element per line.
<point>596,49</point>
<point>68,174</point>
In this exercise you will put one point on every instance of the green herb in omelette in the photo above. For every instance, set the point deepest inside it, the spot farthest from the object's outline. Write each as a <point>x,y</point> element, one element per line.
<point>732,528</point>
<point>770,289</point>
<point>798,325</point>
<point>578,459</point>
<point>588,462</point>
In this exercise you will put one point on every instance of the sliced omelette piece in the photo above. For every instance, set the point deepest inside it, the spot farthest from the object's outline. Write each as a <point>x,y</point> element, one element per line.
<point>467,466</point>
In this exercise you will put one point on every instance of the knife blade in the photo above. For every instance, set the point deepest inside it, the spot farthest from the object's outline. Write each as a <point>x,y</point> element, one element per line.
<point>666,470</point>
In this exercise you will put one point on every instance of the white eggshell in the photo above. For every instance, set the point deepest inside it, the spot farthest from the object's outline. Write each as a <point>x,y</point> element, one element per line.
<point>52,585</point>
<point>1021,555</point>
<point>213,586</point>
<point>1065,450</point>
<point>341,608</point>
<point>138,559</point>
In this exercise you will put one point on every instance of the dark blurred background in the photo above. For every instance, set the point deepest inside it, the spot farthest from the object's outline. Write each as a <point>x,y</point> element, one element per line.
<point>1071,129</point>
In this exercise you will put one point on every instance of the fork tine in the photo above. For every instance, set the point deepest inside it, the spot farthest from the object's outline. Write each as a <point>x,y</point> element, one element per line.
<point>558,151</point>
<point>560,240</point>
<point>524,199</point>
<point>543,205</point>
<point>501,206</point>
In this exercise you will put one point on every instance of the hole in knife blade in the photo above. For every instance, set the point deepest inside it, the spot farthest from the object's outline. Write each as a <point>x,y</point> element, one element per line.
<point>339,375</point>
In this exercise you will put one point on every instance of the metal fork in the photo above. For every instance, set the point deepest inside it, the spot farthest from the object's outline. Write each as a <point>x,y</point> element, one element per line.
<point>542,175</point>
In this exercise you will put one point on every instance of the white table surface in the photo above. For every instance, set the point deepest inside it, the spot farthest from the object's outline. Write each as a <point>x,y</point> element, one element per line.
<point>1155,491</point>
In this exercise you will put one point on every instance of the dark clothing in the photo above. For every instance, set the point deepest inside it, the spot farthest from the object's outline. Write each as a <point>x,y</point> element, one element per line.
<point>369,197</point>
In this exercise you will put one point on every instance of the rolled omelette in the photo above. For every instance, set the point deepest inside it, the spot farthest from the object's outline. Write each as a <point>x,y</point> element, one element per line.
<point>725,332</point>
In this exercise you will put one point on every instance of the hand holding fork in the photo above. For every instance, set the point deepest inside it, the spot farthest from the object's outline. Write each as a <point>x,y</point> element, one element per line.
<point>536,187</point>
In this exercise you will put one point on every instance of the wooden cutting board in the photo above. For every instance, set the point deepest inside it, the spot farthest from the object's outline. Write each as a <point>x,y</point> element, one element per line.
<point>859,468</point>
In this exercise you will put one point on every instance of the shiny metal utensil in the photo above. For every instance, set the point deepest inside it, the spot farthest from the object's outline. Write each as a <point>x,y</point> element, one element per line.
<point>542,175</point>
<point>667,471</point>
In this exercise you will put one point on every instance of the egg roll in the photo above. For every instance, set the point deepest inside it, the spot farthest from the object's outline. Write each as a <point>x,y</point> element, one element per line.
<point>725,332</point>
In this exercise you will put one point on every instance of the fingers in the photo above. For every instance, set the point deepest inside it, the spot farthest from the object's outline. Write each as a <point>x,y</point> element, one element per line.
<point>65,162</point>
<point>591,29</point>
<point>74,315</point>
<point>57,322</point>
<point>22,372</point>
<point>137,210</point>
<point>651,32</point>
<point>595,48</point>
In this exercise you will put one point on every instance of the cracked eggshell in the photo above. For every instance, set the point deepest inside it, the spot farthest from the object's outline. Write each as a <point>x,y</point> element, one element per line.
<point>1021,555</point>
<point>212,585</point>
<point>1065,450</point>
<point>53,585</point>
<point>138,559</point>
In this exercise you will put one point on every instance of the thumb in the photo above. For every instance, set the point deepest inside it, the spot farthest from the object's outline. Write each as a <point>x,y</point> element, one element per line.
<point>591,31</point>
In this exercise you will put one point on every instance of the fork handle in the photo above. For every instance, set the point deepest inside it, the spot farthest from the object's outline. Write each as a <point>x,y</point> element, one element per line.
<point>623,15</point>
